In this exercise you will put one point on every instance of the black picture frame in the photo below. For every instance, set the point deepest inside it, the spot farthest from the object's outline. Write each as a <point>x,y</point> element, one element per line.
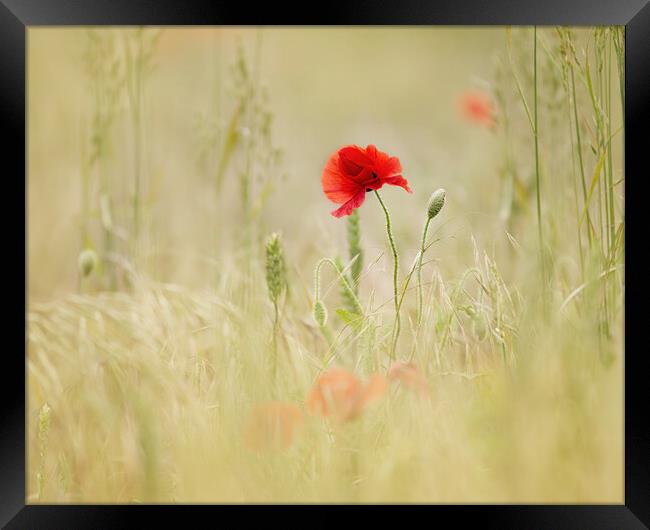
<point>17,15</point>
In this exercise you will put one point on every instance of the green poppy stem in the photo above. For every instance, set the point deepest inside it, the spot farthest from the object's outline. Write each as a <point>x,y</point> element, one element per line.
<point>396,328</point>
<point>421,255</point>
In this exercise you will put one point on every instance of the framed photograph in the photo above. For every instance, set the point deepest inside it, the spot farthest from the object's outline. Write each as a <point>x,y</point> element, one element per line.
<point>377,258</point>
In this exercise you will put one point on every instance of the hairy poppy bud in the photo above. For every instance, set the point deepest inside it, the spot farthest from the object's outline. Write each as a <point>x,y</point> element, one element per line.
<point>87,262</point>
<point>436,202</point>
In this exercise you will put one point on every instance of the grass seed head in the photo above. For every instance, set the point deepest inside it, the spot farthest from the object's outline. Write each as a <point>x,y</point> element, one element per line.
<point>275,268</point>
<point>320,313</point>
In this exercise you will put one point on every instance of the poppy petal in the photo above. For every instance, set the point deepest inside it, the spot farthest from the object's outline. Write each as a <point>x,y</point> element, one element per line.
<point>336,393</point>
<point>337,187</point>
<point>352,160</point>
<point>398,180</point>
<point>392,166</point>
<point>349,206</point>
<point>388,166</point>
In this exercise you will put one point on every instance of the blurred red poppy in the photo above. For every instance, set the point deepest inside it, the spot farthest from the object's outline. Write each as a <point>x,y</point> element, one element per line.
<point>273,426</point>
<point>409,376</point>
<point>353,171</point>
<point>340,395</point>
<point>477,106</point>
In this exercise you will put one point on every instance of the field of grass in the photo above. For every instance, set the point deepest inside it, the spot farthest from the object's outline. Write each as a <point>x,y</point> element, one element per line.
<point>190,297</point>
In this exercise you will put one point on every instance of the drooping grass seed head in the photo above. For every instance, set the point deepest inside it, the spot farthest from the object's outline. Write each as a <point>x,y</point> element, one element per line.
<point>87,262</point>
<point>436,202</point>
<point>275,268</point>
<point>320,313</point>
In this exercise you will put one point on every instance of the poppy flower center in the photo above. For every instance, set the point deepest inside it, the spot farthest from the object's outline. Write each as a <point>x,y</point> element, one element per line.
<point>373,176</point>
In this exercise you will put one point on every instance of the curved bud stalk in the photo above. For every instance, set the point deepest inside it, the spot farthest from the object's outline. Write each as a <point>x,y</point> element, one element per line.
<point>434,206</point>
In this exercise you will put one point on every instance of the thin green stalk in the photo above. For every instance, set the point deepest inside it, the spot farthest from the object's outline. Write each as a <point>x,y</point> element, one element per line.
<point>389,232</point>
<point>319,309</point>
<point>344,282</point>
<point>537,179</point>
<point>575,191</point>
<point>105,195</point>
<point>602,93</point>
<point>134,66</point>
<point>599,127</point>
<point>610,181</point>
<point>276,327</point>
<point>420,257</point>
<point>609,173</point>
<point>454,302</point>
<point>598,99</point>
<point>106,204</point>
<point>217,112</point>
<point>517,82</point>
<point>276,281</point>
<point>580,159</point>
<point>85,188</point>
<point>137,146</point>
<point>619,43</point>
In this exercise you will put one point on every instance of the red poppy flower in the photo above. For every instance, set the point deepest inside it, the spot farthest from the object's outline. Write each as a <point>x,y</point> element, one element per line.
<point>353,171</point>
<point>408,375</point>
<point>342,396</point>
<point>477,107</point>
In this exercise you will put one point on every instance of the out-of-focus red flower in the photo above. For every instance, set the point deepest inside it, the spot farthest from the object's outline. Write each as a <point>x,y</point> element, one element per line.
<point>409,376</point>
<point>273,425</point>
<point>353,171</point>
<point>340,395</point>
<point>477,106</point>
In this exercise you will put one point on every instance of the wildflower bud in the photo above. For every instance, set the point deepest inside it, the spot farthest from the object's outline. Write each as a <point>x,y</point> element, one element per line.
<point>87,262</point>
<point>275,268</point>
<point>320,313</point>
<point>436,202</point>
